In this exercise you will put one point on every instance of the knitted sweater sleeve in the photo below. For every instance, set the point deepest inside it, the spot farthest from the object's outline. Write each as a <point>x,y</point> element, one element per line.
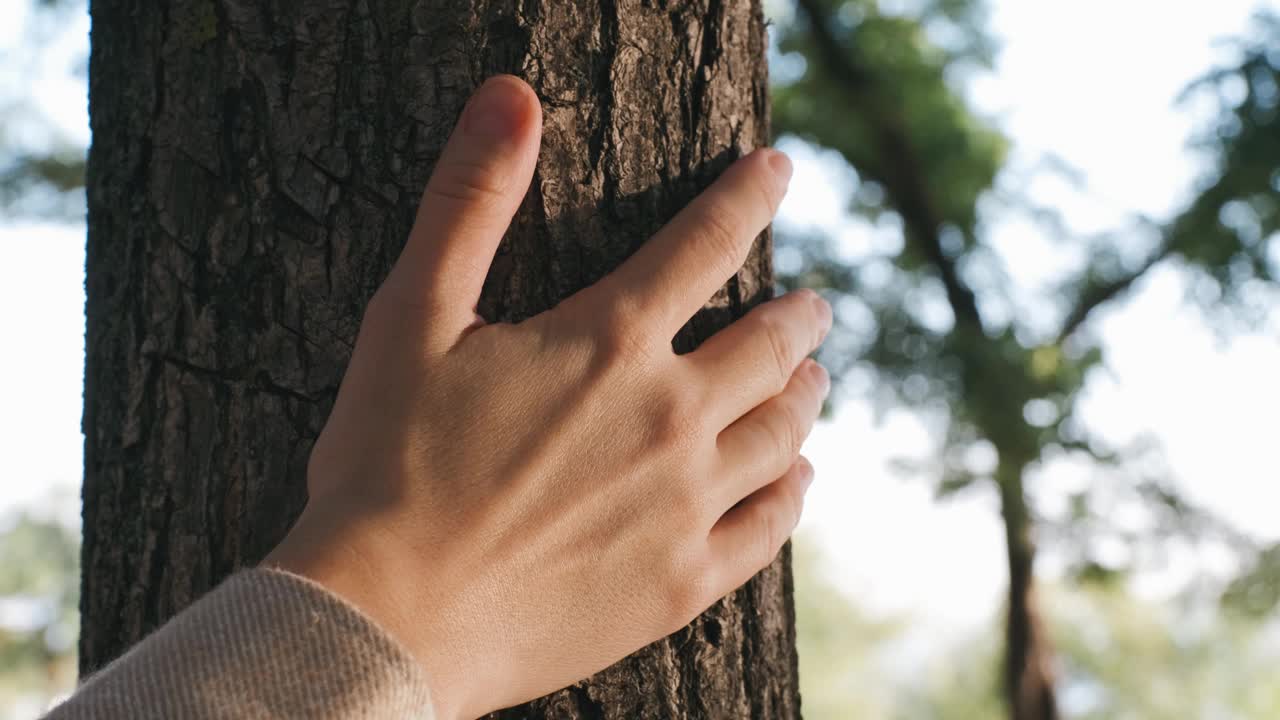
<point>264,644</point>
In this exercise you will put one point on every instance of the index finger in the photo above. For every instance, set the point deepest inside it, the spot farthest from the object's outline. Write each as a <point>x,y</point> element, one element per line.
<point>673,275</point>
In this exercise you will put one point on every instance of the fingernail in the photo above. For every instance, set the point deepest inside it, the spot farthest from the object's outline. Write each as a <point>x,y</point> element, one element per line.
<point>497,110</point>
<point>824,313</point>
<point>781,166</point>
<point>824,378</point>
<point>806,470</point>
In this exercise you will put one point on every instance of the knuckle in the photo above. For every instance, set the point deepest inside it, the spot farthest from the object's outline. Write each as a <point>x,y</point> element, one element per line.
<point>617,345</point>
<point>466,183</point>
<point>791,430</point>
<point>766,530</point>
<point>621,342</point>
<point>780,346</point>
<point>773,527</point>
<point>692,502</point>
<point>721,231</point>
<point>805,380</point>
<point>675,420</point>
<point>688,588</point>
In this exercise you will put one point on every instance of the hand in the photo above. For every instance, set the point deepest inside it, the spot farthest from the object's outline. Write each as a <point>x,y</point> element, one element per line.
<point>523,505</point>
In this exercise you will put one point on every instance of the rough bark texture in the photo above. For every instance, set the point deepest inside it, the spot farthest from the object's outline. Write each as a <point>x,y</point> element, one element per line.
<point>254,172</point>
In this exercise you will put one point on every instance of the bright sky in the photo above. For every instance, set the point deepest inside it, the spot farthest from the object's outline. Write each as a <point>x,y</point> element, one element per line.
<point>1066,71</point>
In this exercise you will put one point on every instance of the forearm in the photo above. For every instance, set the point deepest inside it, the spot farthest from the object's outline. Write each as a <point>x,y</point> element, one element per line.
<point>264,644</point>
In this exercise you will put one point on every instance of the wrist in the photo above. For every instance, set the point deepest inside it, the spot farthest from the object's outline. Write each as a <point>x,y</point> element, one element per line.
<point>338,555</point>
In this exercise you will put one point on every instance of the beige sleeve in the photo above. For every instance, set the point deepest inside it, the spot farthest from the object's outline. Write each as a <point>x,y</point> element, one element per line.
<point>264,644</point>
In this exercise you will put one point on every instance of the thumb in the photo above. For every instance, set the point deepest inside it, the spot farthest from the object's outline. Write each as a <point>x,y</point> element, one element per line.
<point>477,185</point>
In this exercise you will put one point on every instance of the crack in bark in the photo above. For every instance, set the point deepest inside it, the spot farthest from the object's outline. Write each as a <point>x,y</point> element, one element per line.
<point>599,144</point>
<point>261,381</point>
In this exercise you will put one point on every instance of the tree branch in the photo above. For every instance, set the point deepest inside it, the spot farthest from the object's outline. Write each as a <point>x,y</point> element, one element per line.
<point>900,171</point>
<point>1096,297</point>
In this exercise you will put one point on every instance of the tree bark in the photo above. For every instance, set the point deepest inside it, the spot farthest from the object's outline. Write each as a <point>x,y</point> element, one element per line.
<point>254,171</point>
<point>1029,676</point>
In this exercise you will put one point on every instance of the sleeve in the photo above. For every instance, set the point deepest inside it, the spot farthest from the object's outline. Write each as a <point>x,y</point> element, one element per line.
<point>264,644</point>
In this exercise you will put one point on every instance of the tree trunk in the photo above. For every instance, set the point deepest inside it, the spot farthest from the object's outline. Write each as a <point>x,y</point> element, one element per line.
<point>254,171</point>
<point>1029,684</point>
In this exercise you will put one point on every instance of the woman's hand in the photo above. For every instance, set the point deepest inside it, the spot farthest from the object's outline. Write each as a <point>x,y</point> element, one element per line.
<point>523,505</point>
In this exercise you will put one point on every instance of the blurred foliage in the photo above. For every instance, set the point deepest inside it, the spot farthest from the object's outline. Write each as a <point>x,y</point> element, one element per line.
<point>1229,235</point>
<point>1256,592</point>
<point>881,98</point>
<point>41,170</point>
<point>42,184</point>
<point>1120,658</point>
<point>926,319</point>
<point>1230,230</point>
<point>961,682</point>
<point>876,87</point>
<point>846,656</point>
<point>39,617</point>
<point>1123,658</point>
<point>841,667</point>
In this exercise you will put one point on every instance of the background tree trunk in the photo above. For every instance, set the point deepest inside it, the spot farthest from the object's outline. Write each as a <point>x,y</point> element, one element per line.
<point>1030,691</point>
<point>254,171</point>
